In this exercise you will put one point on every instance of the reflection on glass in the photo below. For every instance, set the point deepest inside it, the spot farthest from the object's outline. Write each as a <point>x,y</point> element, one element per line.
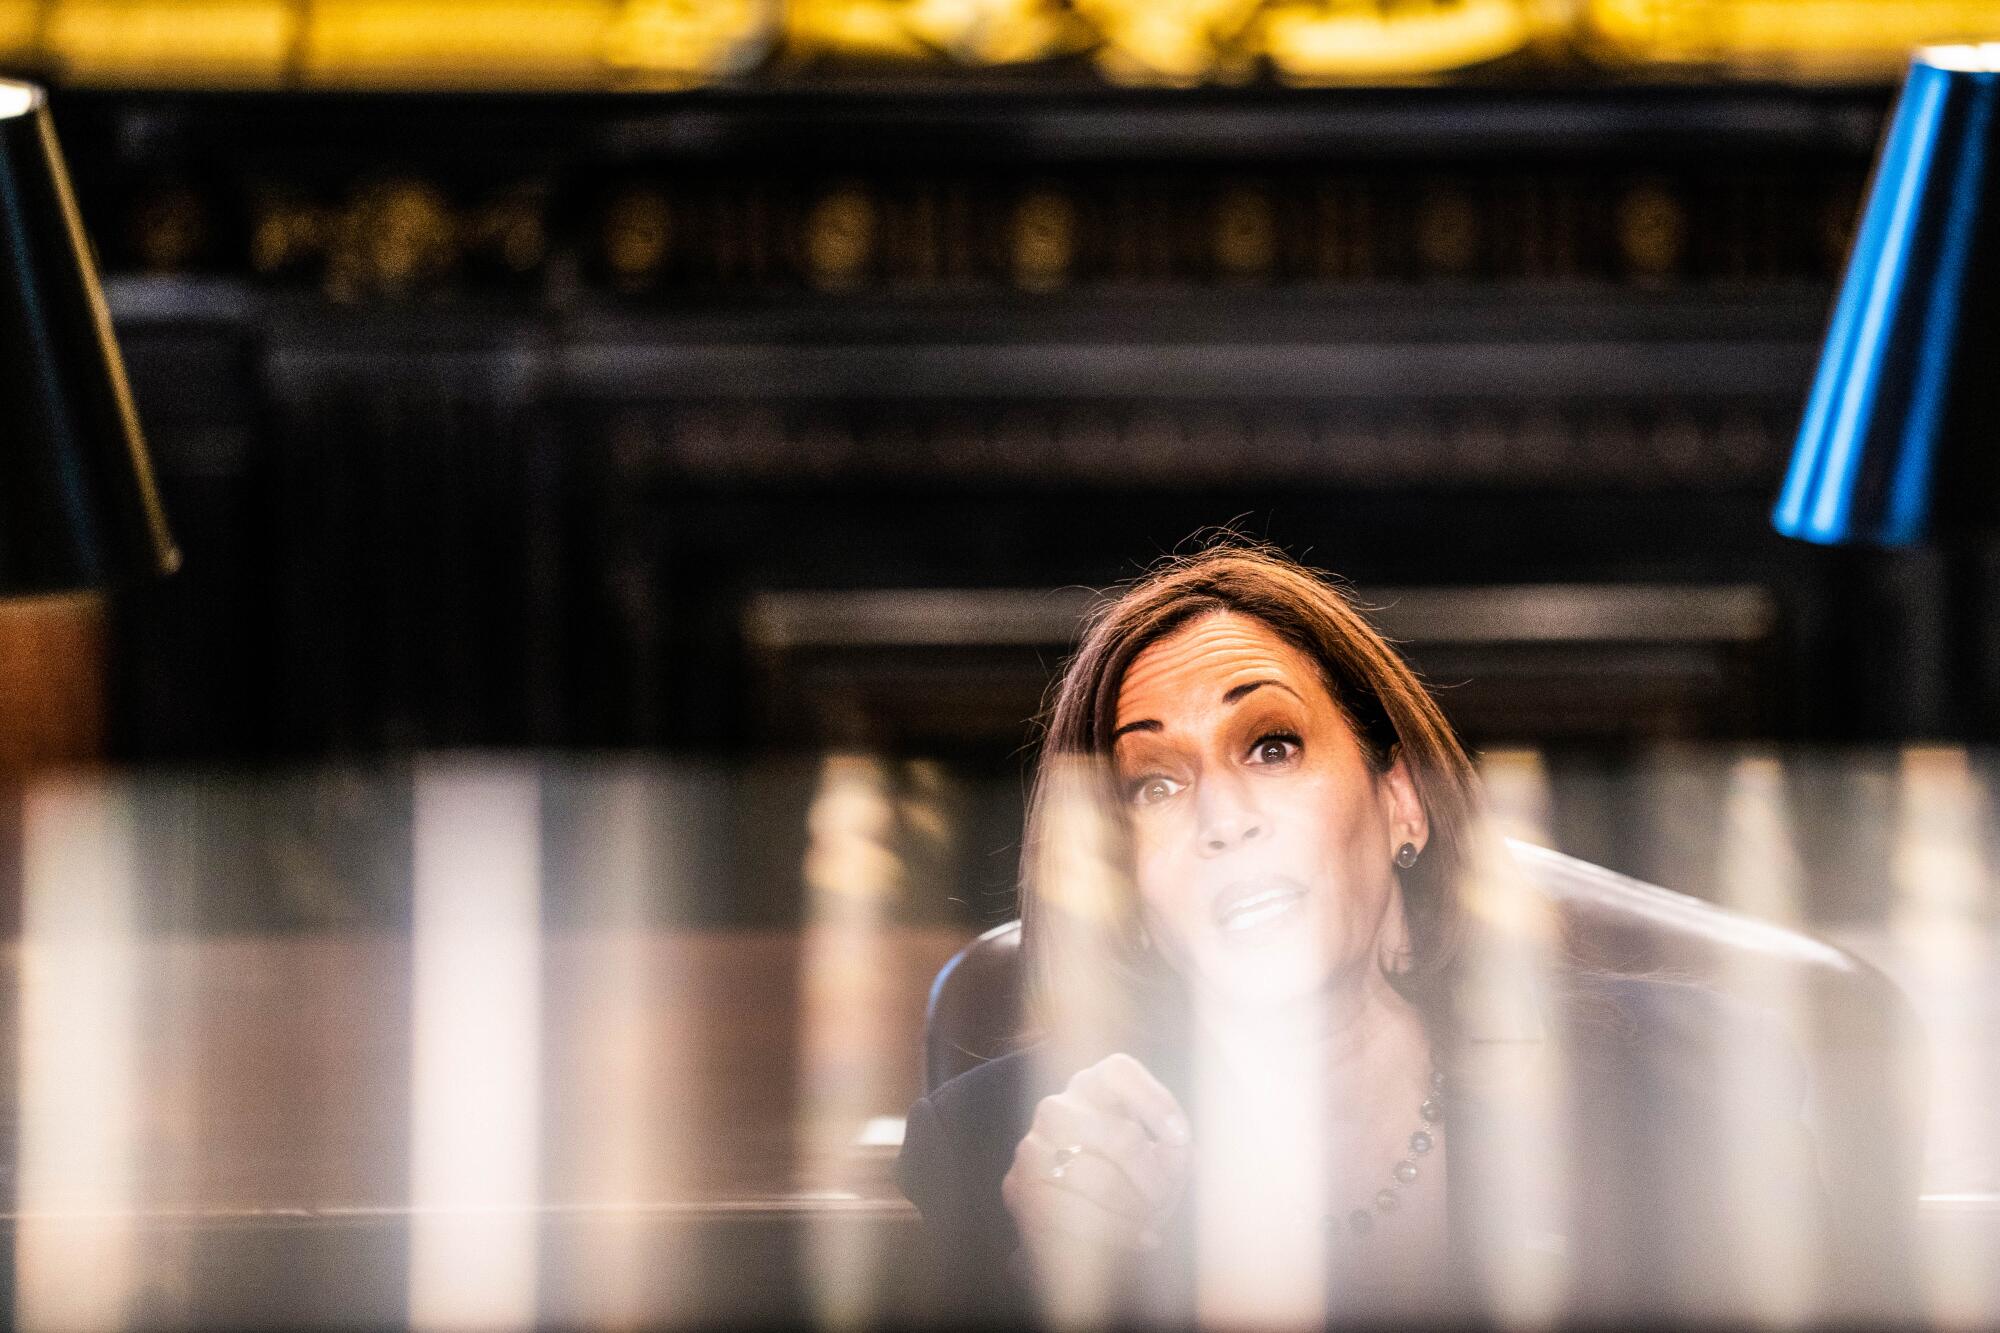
<point>1517,793</point>
<point>1519,1224</point>
<point>476,1042</point>
<point>76,1249</point>
<point>619,1148</point>
<point>1076,898</point>
<point>1773,1237</point>
<point>854,879</point>
<point>604,1104</point>
<point>1263,1176</point>
<point>1942,922</point>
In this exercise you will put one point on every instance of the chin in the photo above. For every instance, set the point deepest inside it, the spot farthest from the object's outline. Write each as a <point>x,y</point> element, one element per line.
<point>1263,979</point>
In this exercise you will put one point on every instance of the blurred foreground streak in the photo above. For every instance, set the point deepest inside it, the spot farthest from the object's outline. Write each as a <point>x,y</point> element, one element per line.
<point>482,1116</point>
<point>507,1044</point>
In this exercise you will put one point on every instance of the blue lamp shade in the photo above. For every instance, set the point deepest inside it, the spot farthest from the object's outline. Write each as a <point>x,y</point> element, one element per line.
<point>78,507</point>
<point>1900,442</point>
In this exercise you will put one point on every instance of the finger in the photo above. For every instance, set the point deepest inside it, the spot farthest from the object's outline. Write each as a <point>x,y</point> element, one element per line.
<point>1077,1217</point>
<point>1103,1183</point>
<point>1121,1083</point>
<point>1113,1138</point>
<point>1088,1173</point>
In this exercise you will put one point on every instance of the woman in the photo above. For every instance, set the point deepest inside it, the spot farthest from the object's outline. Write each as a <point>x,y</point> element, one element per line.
<point>1283,1080</point>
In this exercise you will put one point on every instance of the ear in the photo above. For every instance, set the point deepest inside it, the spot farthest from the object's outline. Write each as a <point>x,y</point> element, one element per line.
<point>1407,820</point>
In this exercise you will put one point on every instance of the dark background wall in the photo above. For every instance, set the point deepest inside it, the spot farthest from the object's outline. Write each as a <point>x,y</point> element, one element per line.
<point>631,422</point>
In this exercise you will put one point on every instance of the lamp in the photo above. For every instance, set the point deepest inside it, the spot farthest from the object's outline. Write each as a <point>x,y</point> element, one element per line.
<point>1900,442</point>
<point>78,507</point>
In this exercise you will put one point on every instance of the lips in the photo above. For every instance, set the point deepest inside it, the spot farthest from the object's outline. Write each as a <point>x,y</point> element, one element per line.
<point>1250,905</point>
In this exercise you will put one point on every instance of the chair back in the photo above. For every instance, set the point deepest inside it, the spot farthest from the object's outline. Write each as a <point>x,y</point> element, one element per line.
<point>1860,1039</point>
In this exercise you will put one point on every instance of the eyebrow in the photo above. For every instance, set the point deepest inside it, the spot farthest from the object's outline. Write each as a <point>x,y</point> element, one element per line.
<point>1236,694</point>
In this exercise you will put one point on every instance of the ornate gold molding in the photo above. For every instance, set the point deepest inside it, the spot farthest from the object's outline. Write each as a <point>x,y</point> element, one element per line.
<point>683,43</point>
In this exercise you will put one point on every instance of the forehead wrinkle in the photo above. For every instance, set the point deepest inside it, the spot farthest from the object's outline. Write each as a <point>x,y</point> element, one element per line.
<point>1241,649</point>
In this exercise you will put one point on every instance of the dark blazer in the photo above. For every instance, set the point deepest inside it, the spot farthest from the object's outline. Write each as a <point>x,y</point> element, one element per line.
<point>1668,1146</point>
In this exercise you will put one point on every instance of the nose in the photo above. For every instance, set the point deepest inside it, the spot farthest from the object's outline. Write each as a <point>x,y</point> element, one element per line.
<point>1228,816</point>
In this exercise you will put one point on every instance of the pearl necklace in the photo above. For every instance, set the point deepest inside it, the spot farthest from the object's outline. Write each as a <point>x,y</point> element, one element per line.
<point>1404,1173</point>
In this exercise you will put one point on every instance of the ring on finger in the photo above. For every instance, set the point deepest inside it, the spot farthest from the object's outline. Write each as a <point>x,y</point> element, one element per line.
<point>1062,1159</point>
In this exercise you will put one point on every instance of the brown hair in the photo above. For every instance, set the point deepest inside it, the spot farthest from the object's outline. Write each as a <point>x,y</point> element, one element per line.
<point>1392,714</point>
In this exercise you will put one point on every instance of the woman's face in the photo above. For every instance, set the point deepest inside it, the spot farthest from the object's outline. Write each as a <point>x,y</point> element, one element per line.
<point>1263,841</point>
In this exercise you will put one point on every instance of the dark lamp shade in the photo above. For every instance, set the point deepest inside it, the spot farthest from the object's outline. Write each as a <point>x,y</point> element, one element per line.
<point>78,507</point>
<point>1900,442</point>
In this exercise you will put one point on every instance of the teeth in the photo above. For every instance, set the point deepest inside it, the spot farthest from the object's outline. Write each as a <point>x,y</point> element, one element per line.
<point>1264,907</point>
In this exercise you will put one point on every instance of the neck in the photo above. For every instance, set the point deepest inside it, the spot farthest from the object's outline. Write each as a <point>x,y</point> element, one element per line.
<point>1357,1038</point>
<point>1325,1097</point>
<point>1365,1044</point>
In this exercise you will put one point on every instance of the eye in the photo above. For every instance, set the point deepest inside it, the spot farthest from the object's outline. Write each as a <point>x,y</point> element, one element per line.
<point>1151,789</point>
<point>1276,747</point>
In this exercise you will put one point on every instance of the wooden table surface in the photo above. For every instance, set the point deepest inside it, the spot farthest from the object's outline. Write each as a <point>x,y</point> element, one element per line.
<point>273,1072</point>
<point>262,1146</point>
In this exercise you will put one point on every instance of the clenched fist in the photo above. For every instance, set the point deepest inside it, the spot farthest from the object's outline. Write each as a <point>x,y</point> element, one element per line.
<point>1104,1163</point>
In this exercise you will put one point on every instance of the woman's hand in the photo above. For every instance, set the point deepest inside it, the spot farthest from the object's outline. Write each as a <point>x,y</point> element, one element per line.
<point>1103,1164</point>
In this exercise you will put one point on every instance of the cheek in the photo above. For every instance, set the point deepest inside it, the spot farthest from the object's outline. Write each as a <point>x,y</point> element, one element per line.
<point>1325,810</point>
<point>1341,831</point>
<point>1162,875</point>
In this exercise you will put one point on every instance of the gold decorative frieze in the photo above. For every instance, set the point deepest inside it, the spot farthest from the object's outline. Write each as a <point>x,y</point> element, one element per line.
<point>477,42</point>
<point>691,43</point>
<point>1311,40</point>
<point>656,236</point>
<point>207,42</point>
<point>1170,41</point>
<point>20,30</point>
<point>1799,37</point>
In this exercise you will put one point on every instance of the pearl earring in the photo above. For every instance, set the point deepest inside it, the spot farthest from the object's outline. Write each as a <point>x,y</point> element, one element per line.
<point>1406,855</point>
